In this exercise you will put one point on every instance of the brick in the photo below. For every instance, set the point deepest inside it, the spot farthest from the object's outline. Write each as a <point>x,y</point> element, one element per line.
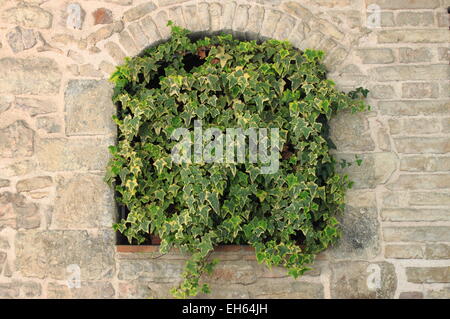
<point>412,72</point>
<point>437,251</point>
<point>45,73</point>
<point>387,19</point>
<point>30,184</point>
<point>416,36</point>
<point>269,25</point>
<point>138,11</point>
<point>417,233</point>
<point>414,107</point>
<point>411,145</point>
<point>420,90</point>
<point>411,295</point>
<point>215,13</point>
<point>442,19</point>
<point>376,56</point>
<point>404,251</point>
<point>161,20</point>
<point>56,154</point>
<point>115,52</point>
<point>413,214</point>
<point>285,27</point>
<point>128,43</point>
<point>413,126</point>
<point>405,4</point>
<point>443,54</point>
<point>415,19</point>
<point>425,164</point>
<point>433,198</point>
<point>176,15</point>
<point>192,19</point>
<point>229,9</point>
<point>241,18</point>
<point>138,35</point>
<point>204,17</point>
<point>426,275</point>
<point>150,29</point>
<point>409,55</point>
<point>382,92</point>
<point>445,122</point>
<point>255,19</point>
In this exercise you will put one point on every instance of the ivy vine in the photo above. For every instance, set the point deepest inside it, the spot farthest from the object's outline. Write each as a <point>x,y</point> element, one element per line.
<point>288,216</point>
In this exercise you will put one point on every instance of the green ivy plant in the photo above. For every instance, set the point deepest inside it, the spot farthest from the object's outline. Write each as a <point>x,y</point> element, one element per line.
<point>288,216</point>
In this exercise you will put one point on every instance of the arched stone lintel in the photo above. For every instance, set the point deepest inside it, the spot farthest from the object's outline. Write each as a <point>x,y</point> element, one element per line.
<point>245,20</point>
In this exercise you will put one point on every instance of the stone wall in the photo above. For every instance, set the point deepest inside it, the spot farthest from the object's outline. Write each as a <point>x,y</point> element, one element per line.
<point>55,126</point>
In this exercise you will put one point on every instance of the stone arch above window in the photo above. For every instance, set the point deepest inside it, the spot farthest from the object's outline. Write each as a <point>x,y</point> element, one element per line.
<point>145,25</point>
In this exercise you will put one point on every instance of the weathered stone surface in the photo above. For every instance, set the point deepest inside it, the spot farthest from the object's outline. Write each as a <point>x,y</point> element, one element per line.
<point>344,128</point>
<point>138,35</point>
<point>148,32</point>
<point>375,169</point>
<point>16,140</point>
<point>128,43</point>
<point>411,295</point>
<point>269,24</point>
<point>417,90</point>
<point>35,106</point>
<point>144,290</point>
<point>412,214</point>
<point>49,124</point>
<point>414,107</point>
<point>102,16</point>
<point>415,19</point>
<point>417,233</point>
<point>9,290</point>
<point>418,36</point>
<point>360,227</point>
<point>4,182</point>
<point>88,290</point>
<point>376,56</point>
<point>382,91</point>
<point>150,270</point>
<point>89,107</point>
<point>139,11</point>
<point>423,163</point>
<point>238,272</point>
<point>363,280</point>
<point>48,253</point>
<point>409,55</point>
<point>430,198</point>
<point>404,251</point>
<point>405,4</point>
<point>104,32</point>
<point>443,293</point>
<point>115,52</point>
<point>57,154</point>
<point>437,251</point>
<point>6,102</point>
<point>409,72</point>
<point>20,167</point>
<point>420,181</point>
<point>17,212</point>
<point>31,184</point>
<point>16,74</point>
<point>414,145</point>
<point>83,201</point>
<point>28,16</point>
<point>269,288</point>
<point>21,39</point>
<point>423,275</point>
<point>75,16</point>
